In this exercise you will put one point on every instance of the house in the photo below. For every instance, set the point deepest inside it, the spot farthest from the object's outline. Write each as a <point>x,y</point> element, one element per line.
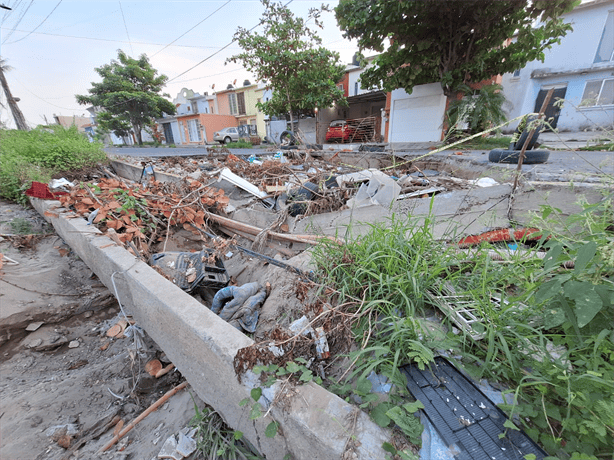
<point>196,119</point>
<point>364,109</point>
<point>80,122</point>
<point>580,69</point>
<point>241,103</point>
<point>111,138</point>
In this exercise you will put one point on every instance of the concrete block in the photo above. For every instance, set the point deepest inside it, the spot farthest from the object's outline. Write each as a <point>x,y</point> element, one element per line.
<point>315,423</point>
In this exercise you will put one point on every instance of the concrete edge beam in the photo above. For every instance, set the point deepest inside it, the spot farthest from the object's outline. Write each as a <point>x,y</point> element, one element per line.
<point>315,423</point>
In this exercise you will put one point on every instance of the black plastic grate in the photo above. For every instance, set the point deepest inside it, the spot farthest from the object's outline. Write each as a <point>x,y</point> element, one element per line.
<point>464,416</point>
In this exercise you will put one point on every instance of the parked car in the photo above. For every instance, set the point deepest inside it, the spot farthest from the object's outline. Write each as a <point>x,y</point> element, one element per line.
<point>226,135</point>
<point>340,131</point>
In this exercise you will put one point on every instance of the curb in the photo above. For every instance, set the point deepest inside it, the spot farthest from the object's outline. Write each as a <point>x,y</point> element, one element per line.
<point>315,423</point>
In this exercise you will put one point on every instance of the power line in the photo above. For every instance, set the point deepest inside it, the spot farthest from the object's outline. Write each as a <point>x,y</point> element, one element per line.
<point>122,10</point>
<point>112,40</point>
<point>217,52</point>
<point>18,21</point>
<point>33,30</point>
<point>189,30</point>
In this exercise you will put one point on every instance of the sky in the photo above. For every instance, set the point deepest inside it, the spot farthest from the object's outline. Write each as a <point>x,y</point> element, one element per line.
<point>53,46</point>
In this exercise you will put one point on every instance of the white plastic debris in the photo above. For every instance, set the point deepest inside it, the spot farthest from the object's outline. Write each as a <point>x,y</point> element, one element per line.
<point>484,182</point>
<point>62,183</point>
<point>301,326</point>
<point>381,190</point>
<point>231,177</point>
<point>321,343</point>
<point>185,445</point>
<point>168,449</point>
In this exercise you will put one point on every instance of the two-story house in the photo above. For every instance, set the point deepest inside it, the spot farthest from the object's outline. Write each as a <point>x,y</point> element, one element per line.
<point>580,69</point>
<point>196,119</point>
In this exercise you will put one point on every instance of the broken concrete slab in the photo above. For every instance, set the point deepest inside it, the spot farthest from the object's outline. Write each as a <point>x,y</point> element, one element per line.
<point>315,423</point>
<point>457,212</point>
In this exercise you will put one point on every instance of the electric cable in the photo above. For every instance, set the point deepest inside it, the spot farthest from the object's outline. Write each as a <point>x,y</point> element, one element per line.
<point>33,30</point>
<point>111,40</point>
<point>191,29</point>
<point>127,34</point>
<point>18,21</point>
<point>217,52</point>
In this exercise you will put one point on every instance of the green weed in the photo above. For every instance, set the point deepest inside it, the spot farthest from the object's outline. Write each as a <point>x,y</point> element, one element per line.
<point>216,441</point>
<point>548,337</point>
<point>36,155</point>
<point>21,226</point>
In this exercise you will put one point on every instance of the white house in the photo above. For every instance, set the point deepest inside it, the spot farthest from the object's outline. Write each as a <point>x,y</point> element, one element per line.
<point>580,69</point>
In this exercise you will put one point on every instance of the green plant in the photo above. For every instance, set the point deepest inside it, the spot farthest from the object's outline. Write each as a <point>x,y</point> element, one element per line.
<point>478,110</point>
<point>37,155</point>
<point>21,226</point>
<point>215,440</point>
<point>128,95</point>
<point>548,336</point>
<point>239,145</point>
<point>287,54</point>
<point>449,42</point>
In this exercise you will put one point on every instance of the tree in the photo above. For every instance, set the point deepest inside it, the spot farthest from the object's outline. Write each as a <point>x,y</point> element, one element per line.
<point>448,41</point>
<point>128,95</point>
<point>20,120</point>
<point>303,76</point>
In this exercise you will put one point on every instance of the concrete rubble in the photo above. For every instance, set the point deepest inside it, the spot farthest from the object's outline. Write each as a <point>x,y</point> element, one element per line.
<point>281,205</point>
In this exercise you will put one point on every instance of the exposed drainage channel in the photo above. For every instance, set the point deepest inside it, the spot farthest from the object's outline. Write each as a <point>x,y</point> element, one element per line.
<point>315,424</point>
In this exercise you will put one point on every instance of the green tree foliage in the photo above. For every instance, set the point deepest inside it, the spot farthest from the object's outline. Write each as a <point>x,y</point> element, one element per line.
<point>129,95</point>
<point>447,41</point>
<point>286,56</point>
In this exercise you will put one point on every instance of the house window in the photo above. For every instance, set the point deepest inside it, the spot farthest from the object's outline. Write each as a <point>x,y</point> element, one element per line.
<point>241,103</point>
<point>516,73</point>
<point>598,92</point>
<point>232,100</point>
<point>340,86</point>
<point>194,107</point>
<point>355,88</point>
<point>605,52</point>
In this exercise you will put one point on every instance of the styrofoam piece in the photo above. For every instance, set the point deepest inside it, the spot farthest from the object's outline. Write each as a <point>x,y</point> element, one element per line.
<point>231,177</point>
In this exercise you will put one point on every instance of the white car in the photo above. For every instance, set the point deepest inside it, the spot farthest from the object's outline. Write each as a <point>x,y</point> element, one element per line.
<point>226,135</point>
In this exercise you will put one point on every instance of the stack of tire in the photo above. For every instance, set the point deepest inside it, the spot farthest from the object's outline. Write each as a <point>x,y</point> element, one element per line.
<point>512,155</point>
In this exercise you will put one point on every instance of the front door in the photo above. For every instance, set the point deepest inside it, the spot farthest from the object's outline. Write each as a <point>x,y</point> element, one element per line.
<point>168,133</point>
<point>552,112</point>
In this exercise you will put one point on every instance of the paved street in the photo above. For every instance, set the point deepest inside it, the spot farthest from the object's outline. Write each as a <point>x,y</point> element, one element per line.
<point>563,165</point>
<point>170,152</point>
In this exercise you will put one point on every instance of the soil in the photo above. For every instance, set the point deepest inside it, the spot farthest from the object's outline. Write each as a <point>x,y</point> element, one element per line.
<point>62,380</point>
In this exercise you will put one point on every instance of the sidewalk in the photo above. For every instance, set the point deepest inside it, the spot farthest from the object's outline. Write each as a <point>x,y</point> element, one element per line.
<point>574,140</point>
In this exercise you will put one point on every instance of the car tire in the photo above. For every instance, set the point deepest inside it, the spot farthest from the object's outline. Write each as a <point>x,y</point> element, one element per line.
<point>304,193</point>
<point>531,157</point>
<point>525,134</point>
<point>227,140</point>
<point>287,138</point>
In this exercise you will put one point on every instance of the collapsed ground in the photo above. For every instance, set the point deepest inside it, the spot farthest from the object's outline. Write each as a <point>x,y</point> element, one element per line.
<point>198,203</point>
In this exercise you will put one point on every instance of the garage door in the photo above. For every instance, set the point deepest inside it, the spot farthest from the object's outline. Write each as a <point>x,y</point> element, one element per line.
<point>417,119</point>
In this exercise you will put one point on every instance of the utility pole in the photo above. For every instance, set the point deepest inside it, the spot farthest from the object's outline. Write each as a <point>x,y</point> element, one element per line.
<point>20,120</point>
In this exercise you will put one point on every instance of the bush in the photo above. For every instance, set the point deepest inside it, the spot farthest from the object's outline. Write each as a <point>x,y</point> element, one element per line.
<point>477,109</point>
<point>36,155</point>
